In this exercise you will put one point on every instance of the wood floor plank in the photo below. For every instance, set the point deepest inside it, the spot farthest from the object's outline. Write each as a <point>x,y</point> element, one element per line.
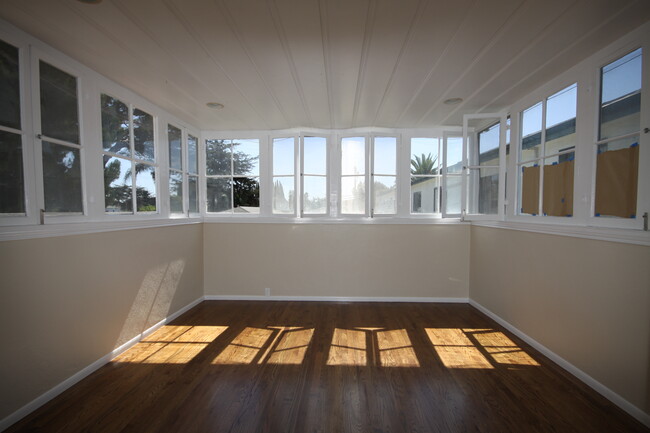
<point>234,366</point>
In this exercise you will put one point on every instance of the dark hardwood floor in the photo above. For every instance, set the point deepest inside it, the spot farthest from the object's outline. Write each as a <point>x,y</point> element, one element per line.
<point>330,367</point>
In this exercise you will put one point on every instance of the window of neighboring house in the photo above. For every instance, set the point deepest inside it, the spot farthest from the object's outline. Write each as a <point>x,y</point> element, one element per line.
<point>425,175</point>
<point>60,141</point>
<point>232,176</point>
<point>546,154</point>
<point>193,173</point>
<point>129,158</point>
<point>313,179</point>
<point>12,178</point>
<point>284,179</point>
<point>617,162</point>
<point>175,144</point>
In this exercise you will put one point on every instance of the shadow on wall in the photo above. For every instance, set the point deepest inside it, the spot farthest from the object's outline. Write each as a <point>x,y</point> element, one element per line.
<point>153,301</point>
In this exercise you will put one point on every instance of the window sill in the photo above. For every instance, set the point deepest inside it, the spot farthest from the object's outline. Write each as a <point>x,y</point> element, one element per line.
<point>10,233</point>
<point>329,220</point>
<point>627,236</point>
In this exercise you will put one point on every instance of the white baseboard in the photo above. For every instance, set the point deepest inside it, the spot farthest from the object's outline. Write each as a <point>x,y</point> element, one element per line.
<point>332,299</point>
<point>584,377</point>
<point>72,380</point>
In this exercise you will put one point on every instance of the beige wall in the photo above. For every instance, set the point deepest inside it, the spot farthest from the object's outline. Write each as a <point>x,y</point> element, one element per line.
<point>68,301</point>
<point>379,260</point>
<point>587,301</point>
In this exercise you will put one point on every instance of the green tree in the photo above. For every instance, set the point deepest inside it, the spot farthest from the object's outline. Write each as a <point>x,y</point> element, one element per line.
<point>424,165</point>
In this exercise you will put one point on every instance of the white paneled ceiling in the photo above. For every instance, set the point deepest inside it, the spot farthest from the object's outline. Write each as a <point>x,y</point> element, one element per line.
<point>278,64</point>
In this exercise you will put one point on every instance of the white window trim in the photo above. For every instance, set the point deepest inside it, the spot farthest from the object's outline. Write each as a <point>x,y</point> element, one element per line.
<point>328,174</point>
<point>297,171</point>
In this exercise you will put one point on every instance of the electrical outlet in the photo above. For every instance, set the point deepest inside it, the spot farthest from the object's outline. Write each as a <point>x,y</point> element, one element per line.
<point>267,291</point>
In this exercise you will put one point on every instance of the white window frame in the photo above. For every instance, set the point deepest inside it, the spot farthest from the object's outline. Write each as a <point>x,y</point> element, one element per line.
<point>186,185</point>
<point>36,56</point>
<point>372,174</point>
<point>366,174</point>
<point>327,176</point>
<point>443,210</point>
<point>407,181</point>
<point>297,186</point>
<point>27,135</point>
<point>469,190</point>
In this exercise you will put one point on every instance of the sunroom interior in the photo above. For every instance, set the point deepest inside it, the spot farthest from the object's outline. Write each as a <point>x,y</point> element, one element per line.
<point>157,154</point>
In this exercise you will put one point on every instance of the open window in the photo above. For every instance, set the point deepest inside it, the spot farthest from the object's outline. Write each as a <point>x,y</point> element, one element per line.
<point>484,168</point>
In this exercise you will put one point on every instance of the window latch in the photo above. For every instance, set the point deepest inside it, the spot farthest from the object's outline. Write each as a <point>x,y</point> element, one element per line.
<point>646,130</point>
<point>42,216</point>
<point>645,221</point>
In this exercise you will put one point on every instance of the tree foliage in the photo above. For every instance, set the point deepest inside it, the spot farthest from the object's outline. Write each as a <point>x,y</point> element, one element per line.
<point>220,154</point>
<point>424,165</point>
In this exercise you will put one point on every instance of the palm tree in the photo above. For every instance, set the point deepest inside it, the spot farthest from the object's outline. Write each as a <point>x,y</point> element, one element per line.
<point>425,164</point>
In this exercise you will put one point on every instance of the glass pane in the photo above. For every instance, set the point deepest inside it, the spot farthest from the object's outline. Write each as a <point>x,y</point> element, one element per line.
<point>453,194</point>
<point>315,155</point>
<point>620,98</point>
<point>118,185</point>
<point>192,154</point>
<point>284,195</point>
<point>531,135</point>
<point>59,111</point>
<point>62,178</point>
<point>175,192</point>
<point>385,155</point>
<point>353,156</point>
<point>283,156</point>
<point>454,154</point>
<point>218,157</point>
<point>487,201</point>
<point>617,172</point>
<point>424,156</point>
<point>219,195</point>
<point>353,195</point>
<point>488,145</point>
<point>557,190</point>
<point>12,195</point>
<point>529,176</point>
<point>9,86</point>
<point>145,187</point>
<point>193,190</point>
<point>246,157</point>
<point>115,126</point>
<point>385,195</point>
<point>425,195</point>
<point>246,195</point>
<point>174,137</point>
<point>314,194</point>
<point>561,120</point>
<point>143,137</point>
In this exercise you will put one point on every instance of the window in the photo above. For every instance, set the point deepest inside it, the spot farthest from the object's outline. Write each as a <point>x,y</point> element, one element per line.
<point>12,178</point>
<point>353,175</point>
<point>313,179</point>
<point>174,141</point>
<point>232,176</point>
<point>453,176</point>
<point>129,158</point>
<point>193,173</point>
<point>546,155</point>
<point>284,179</point>
<point>60,141</point>
<point>617,148</point>
<point>425,175</point>
<point>384,176</point>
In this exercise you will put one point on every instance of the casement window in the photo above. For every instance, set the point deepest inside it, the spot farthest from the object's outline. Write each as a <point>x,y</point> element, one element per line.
<point>193,174</point>
<point>426,175</point>
<point>374,191</point>
<point>313,176</point>
<point>60,140</point>
<point>284,176</point>
<point>128,143</point>
<point>618,144</point>
<point>176,175</point>
<point>546,154</point>
<point>12,178</point>
<point>232,172</point>
<point>452,180</point>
